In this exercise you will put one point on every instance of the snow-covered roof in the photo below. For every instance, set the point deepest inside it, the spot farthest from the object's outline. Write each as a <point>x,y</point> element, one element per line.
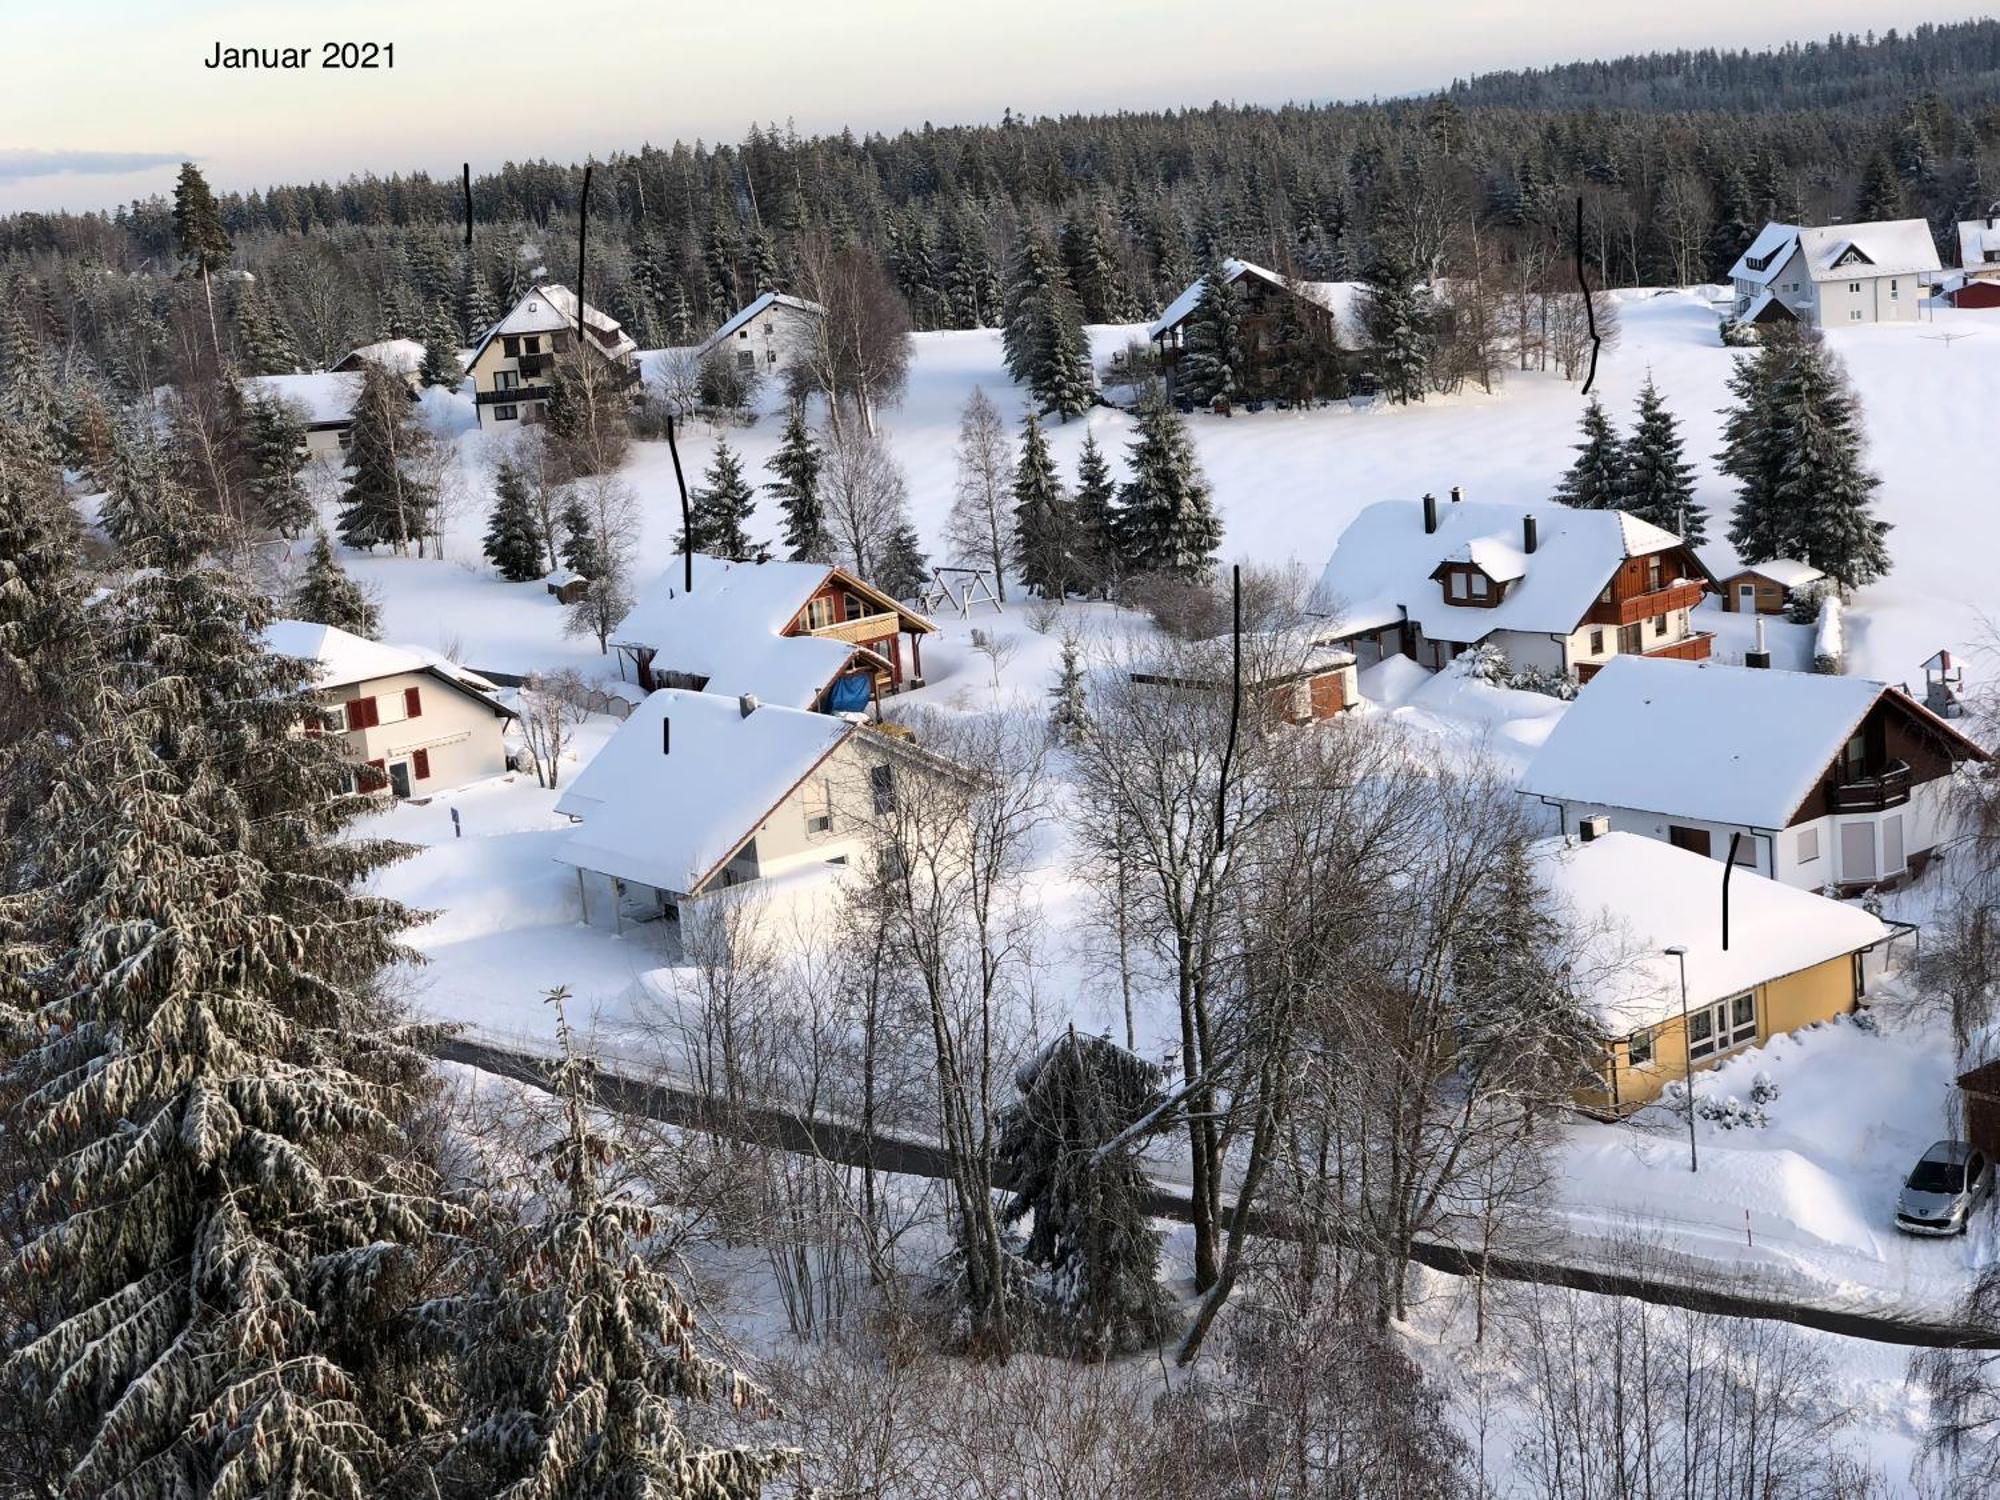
<point>1700,740</point>
<point>1341,298</point>
<point>1786,572</point>
<point>327,398</point>
<point>1632,897</point>
<point>1883,247</point>
<point>404,356</point>
<point>1772,248</point>
<point>344,658</point>
<point>1979,244</point>
<point>759,304</point>
<point>549,308</point>
<point>1385,560</point>
<point>729,629</point>
<point>666,807</point>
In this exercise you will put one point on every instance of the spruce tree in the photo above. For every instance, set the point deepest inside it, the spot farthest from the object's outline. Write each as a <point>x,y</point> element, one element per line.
<point>476,309</point>
<point>1659,484</point>
<point>1596,480</point>
<point>1031,273</point>
<point>1090,1229</point>
<point>138,473</point>
<point>578,1352</point>
<point>721,509</point>
<point>1166,520</point>
<point>1062,382</point>
<point>274,451</point>
<point>41,598</point>
<point>1748,455</point>
<point>384,502</point>
<point>441,366</point>
<point>1880,195</point>
<point>797,465</point>
<point>1097,516</point>
<point>902,571</point>
<point>264,344</point>
<point>199,236</point>
<point>1069,717</point>
<point>325,595</point>
<point>1211,363</point>
<point>581,551</point>
<point>1045,537</point>
<point>513,536</point>
<point>1398,324</point>
<point>222,1255</point>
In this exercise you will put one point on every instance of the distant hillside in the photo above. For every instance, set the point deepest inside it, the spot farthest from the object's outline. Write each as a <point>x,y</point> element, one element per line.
<point>1960,62</point>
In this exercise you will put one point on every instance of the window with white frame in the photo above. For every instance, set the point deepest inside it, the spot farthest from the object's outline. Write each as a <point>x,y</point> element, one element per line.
<point>1715,1029</point>
<point>1806,849</point>
<point>1639,1048</point>
<point>506,413</point>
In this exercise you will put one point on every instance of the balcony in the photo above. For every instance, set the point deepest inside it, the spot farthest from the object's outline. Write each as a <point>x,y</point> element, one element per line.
<point>1690,648</point>
<point>536,364</point>
<point>1636,607</point>
<point>866,628</point>
<point>512,397</point>
<point>1888,787</point>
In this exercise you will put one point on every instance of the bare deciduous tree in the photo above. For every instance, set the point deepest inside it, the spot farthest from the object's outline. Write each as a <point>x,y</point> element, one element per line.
<point>552,706</point>
<point>979,528</point>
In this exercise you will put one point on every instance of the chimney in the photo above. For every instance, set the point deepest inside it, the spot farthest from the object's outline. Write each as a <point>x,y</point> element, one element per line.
<point>1530,534</point>
<point>666,736</point>
<point>746,704</point>
<point>1759,657</point>
<point>1430,514</point>
<point>1592,828</point>
<point>1457,494</point>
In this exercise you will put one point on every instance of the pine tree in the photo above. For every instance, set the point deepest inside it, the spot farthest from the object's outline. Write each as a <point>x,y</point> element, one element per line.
<point>1097,517</point>
<point>1042,329</point>
<point>441,366</point>
<point>1880,195</point>
<point>1596,480</point>
<point>578,1352</point>
<point>797,465</point>
<point>1090,1229</point>
<point>1166,521</point>
<point>902,571</point>
<point>222,1255</point>
<point>1062,382</point>
<point>1024,301</point>
<point>327,596</point>
<point>1211,363</point>
<point>384,502</point>
<point>203,243</point>
<point>581,552</point>
<point>138,473</point>
<point>1658,484</point>
<point>1069,716</point>
<point>476,309</point>
<point>264,344</point>
<point>41,599</point>
<point>1399,328</point>
<point>274,451</point>
<point>513,535</point>
<point>721,509</point>
<point>1045,537</point>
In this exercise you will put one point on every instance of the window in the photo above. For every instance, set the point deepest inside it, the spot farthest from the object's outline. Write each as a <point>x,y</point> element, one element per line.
<point>1653,574</point>
<point>1596,643</point>
<point>1476,585</point>
<point>819,613</point>
<point>743,333</point>
<point>1659,624</point>
<point>854,607</point>
<point>506,413</point>
<point>1892,288</point>
<point>1639,1048</point>
<point>1455,585</point>
<point>1854,315</point>
<point>510,347</point>
<point>1720,1028</point>
<point>882,782</point>
<point>1631,638</point>
<point>506,380</point>
<point>770,356</point>
<point>392,708</point>
<point>346,439</point>
<point>746,359</point>
<point>819,822</point>
<point>1854,286</point>
<point>1807,848</point>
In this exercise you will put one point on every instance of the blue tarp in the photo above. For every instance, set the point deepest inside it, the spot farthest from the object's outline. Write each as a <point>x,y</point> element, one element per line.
<point>849,695</point>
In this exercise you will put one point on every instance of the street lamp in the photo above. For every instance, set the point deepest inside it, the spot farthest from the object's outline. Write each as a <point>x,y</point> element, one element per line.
<point>1680,954</point>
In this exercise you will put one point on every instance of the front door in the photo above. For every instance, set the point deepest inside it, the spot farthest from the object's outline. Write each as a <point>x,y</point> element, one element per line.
<point>1746,598</point>
<point>399,777</point>
<point>1694,840</point>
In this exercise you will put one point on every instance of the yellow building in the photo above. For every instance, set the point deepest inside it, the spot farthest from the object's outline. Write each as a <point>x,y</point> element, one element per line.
<point>1792,958</point>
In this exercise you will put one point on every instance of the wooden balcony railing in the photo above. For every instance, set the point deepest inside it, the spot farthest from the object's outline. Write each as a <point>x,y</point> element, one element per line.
<point>866,628</point>
<point>1888,787</point>
<point>1637,607</point>
<point>1693,648</point>
<point>513,397</point>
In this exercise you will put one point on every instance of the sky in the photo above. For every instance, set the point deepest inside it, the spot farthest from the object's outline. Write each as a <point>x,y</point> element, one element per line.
<point>106,97</point>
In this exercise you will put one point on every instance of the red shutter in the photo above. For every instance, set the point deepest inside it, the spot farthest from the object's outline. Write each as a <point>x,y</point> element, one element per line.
<point>420,761</point>
<point>413,703</point>
<point>352,715</point>
<point>374,776</point>
<point>363,713</point>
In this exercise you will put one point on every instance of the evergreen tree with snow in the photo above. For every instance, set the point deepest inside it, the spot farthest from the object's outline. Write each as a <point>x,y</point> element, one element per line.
<point>138,473</point>
<point>221,1259</point>
<point>797,465</point>
<point>1816,499</point>
<point>327,596</point>
<point>1045,534</point>
<point>1658,482</point>
<point>1596,480</point>
<point>42,595</point>
<point>1090,1231</point>
<point>1211,363</point>
<point>274,452</point>
<point>1069,716</point>
<point>513,541</point>
<point>1042,329</point>
<point>1397,318</point>
<point>477,311</point>
<point>264,344</point>
<point>1749,455</point>
<point>1166,520</point>
<point>720,510</point>
<point>385,502</point>
<point>1096,510</point>
<point>441,367</point>
<point>1062,382</point>
<point>582,552</point>
<point>1031,274</point>
<point>902,571</point>
<point>579,1354</point>
<point>1880,194</point>
<point>201,239</point>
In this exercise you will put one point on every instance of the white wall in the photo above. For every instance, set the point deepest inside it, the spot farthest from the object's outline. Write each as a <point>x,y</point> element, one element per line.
<point>464,739</point>
<point>1877,299</point>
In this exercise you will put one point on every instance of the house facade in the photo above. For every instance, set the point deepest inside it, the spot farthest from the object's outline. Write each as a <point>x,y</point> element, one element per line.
<point>1792,958</point>
<point>409,723</point>
<point>513,364</point>
<point>808,635</point>
<point>1332,306</point>
<point>1556,590</point>
<point>1767,588</point>
<point>769,335</point>
<point>1833,275</point>
<point>1288,678</point>
<point>323,401</point>
<point>698,795</point>
<point>1828,782</point>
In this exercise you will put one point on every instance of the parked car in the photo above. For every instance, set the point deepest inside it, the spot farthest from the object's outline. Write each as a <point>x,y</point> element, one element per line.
<point>1948,1182</point>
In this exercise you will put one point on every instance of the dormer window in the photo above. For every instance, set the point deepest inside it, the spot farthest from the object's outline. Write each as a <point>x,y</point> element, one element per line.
<point>1466,586</point>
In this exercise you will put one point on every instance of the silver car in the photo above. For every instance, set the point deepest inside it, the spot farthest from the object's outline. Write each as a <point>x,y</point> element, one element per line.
<point>1943,1189</point>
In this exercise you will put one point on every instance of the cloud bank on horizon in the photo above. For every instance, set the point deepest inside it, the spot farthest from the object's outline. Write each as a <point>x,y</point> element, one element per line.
<point>20,163</point>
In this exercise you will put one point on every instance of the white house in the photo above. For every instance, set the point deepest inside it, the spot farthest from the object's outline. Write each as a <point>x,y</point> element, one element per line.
<point>1557,590</point>
<point>404,356</point>
<point>769,335</point>
<point>697,794</point>
<point>1832,781</point>
<point>410,720</point>
<point>513,364</point>
<point>1835,274</point>
<point>324,400</point>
